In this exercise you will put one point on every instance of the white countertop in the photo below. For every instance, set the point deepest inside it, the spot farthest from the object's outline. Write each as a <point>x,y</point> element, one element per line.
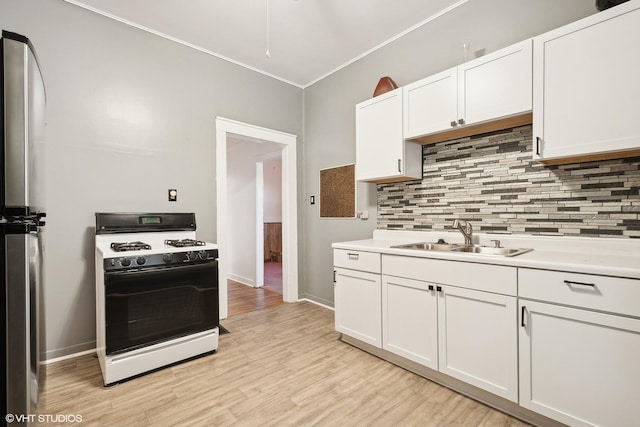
<point>589,255</point>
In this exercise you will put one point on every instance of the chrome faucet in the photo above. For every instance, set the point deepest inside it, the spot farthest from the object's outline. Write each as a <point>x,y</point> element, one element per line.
<point>466,229</point>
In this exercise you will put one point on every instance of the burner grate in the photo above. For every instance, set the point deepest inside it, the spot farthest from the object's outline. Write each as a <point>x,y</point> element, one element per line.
<point>181,243</point>
<point>129,246</point>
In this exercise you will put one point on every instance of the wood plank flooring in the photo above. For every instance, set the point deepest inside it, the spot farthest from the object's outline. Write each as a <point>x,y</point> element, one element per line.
<point>282,366</point>
<point>243,299</point>
<point>273,276</point>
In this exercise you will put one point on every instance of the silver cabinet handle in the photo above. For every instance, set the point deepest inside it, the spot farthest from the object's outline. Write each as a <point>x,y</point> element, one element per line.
<point>399,165</point>
<point>334,276</point>
<point>537,145</point>
<point>353,256</point>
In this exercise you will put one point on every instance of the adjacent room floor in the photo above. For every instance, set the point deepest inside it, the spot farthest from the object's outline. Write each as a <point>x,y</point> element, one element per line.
<point>279,366</point>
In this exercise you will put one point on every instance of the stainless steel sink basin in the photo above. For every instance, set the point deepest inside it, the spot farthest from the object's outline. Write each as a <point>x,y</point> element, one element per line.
<point>430,246</point>
<point>471,249</point>
<point>487,250</point>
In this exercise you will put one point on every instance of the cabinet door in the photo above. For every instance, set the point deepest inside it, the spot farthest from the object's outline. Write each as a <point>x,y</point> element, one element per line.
<point>478,340</point>
<point>586,86</point>
<point>497,85</point>
<point>431,104</point>
<point>379,143</point>
<point>358,306</point>
<point>410,320</point>
<point>578,366</point>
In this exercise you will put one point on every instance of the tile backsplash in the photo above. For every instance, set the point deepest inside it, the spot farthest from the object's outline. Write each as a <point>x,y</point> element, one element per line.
<point>492,181</point>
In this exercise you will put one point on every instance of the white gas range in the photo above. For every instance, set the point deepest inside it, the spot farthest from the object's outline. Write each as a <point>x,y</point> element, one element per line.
<point>156,292</point>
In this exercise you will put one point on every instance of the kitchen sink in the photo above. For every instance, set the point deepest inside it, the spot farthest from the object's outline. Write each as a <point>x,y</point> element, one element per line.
<point>488,250</point>
<point>471,249</point>
<point>430,246</point>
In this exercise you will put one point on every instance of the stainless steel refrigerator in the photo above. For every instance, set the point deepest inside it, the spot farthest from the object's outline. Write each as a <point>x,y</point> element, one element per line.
<point>22,153</point>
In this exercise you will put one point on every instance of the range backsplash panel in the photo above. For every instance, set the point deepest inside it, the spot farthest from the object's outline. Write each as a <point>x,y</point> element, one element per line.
<point>492,181</point>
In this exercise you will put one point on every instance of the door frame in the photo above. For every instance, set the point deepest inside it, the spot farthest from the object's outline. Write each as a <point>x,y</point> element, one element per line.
<point>225,127</point>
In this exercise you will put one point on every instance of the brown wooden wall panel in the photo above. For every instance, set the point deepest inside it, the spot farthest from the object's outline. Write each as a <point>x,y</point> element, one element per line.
<point>338,192</point>
<point>273,241</point>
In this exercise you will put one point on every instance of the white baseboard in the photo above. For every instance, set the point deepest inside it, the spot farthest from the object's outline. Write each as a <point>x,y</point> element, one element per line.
<point>316,303</point>
<point>73,350</point>
<point>68,356</point>
<point>243,280</point>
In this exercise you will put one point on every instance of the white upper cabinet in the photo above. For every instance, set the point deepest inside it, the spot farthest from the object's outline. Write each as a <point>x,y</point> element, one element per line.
<point>431,104</point>
<point>492,87</point>
<point>586,88</point>
<point>496,85</point>
<point>382,154</point>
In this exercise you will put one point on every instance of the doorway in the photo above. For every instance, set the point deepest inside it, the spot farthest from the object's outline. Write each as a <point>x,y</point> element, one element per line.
<point>228,131</point>
<point>270,198</point>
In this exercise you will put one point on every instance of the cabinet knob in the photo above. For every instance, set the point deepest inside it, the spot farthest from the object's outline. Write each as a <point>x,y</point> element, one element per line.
<point>454,124</point>
<point>460,121</point>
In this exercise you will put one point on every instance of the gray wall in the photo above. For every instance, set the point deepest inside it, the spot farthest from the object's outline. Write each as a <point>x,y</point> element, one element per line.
<point>130,115</point>
<point>330,115</point>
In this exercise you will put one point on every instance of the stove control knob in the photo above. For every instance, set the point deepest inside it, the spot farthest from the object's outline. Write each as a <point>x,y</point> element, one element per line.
<point>141,260</point>
<point>203,255</point>
<point>125,262</point>
<point>166,257</point>
<point>190,256</point>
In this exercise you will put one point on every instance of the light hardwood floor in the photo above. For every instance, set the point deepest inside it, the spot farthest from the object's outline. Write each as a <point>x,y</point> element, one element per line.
<point>282,366</point>
<point>243,299</point>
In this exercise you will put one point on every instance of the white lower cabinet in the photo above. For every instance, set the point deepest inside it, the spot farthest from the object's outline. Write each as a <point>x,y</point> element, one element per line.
<point>467,334</point>
<point>477,339</point>
<point>562,344</point>
<point>579,367</point>
<point>410,320</point>
<point>358,305</point>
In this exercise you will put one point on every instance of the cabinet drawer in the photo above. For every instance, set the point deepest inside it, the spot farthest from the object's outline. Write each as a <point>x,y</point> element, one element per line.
<point>612,294</point>
<point>484,277</point>
<point>357,260</point>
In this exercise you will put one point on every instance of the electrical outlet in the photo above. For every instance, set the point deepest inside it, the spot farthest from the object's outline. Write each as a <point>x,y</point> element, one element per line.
<point>363,214</point>
<point>173,195</point>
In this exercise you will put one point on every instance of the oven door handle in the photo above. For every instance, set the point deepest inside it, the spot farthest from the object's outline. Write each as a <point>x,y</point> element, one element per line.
<point>191,267</point>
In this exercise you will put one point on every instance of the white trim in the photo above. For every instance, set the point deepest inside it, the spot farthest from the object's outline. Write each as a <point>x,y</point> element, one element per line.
<point>316,303</point>
<point>259,239</point>
<point>301,86</point>
<point>289,203</point>
<point>243,280</point>
<point>67,357</point>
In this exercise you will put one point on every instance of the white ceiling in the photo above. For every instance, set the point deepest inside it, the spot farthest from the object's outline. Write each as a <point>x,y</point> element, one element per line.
<point>307,39</point>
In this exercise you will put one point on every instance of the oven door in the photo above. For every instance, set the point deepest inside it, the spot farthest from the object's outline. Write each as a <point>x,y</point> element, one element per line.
<point>148,306</point>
